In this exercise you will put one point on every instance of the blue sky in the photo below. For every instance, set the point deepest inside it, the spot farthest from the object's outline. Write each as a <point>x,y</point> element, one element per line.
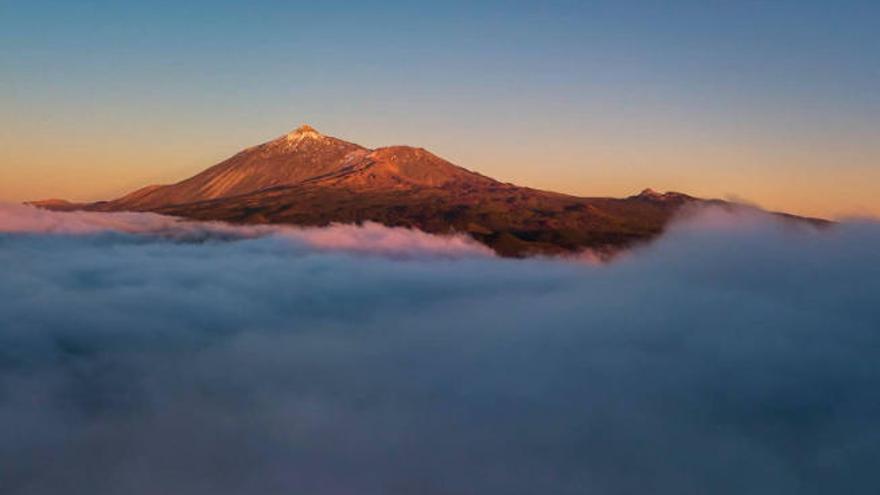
<point>768,101</point>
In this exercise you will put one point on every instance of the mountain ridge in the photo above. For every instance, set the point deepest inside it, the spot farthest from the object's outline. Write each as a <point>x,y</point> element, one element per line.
<point>306,178</point>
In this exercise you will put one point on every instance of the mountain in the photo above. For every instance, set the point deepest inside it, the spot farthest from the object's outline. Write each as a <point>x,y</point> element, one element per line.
<point>307,178</point>
<point>293,158</point>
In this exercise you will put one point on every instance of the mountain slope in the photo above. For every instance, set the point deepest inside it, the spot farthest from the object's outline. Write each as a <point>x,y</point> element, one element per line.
<point>306,178</point>
<point>295,157</point>
<point>514,221</point>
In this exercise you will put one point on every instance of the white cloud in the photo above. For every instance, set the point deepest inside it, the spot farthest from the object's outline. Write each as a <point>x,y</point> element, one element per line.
<point>735,355</point>
<point>370,238</point>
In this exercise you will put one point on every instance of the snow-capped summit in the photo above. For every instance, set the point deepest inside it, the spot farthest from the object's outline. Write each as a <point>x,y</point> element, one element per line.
<point>302,133</point>
<point>306,129</point>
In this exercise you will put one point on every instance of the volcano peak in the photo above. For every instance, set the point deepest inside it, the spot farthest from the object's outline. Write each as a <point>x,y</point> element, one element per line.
<point>302,132</point>
<point>305,129</point>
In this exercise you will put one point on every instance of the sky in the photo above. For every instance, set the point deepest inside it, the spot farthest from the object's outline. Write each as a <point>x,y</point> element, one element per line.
<point>768,102</point>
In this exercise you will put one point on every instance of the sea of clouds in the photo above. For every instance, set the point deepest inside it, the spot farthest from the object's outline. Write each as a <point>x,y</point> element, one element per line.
<point>143,355</point>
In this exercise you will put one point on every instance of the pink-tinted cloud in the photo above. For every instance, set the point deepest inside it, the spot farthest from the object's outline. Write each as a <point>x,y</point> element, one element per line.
<point>369,238</point>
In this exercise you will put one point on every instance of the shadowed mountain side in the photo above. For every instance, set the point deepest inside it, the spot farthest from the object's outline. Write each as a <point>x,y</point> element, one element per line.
<point>514,221</point>
<point>306,178</point>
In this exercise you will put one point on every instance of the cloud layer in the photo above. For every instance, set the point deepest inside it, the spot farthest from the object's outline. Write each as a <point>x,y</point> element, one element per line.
<point>735,355</point>
<point>370,238</point>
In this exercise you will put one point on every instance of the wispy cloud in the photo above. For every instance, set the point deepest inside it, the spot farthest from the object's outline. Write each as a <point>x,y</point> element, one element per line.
<point>370,238</point>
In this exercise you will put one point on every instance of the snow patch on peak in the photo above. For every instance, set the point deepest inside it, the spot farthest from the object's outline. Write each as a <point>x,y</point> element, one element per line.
<point>303,132</point>
<point>305,129</point>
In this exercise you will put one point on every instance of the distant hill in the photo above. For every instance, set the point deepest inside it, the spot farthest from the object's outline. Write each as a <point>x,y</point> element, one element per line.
<point>307,178</point>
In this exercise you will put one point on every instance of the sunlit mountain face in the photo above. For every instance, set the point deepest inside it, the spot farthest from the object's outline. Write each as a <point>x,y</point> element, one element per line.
<point>305,178</point>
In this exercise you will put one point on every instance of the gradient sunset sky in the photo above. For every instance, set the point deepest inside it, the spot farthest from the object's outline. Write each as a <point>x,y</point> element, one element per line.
<point>772,102</point>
